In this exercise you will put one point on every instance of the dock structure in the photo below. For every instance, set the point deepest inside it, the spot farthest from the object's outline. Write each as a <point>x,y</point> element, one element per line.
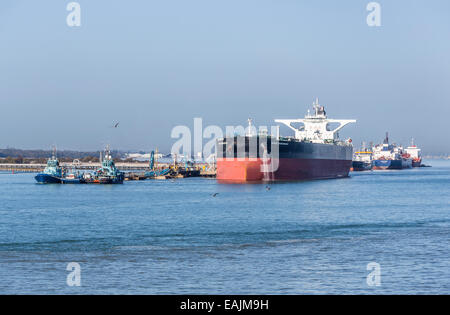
<point>22,168</point>
<point>135,176</point>
<point>208,173</point>
<point>134,171</point>
<point>81,166</point>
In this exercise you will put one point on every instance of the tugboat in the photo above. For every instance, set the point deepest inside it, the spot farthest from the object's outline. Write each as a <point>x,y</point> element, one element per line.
<point>52,173</point>
<point>107,173</point>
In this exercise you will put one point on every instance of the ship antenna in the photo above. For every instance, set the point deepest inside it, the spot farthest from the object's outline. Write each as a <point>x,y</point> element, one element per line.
<point>316,106</point>
<point>249,126</point>
<point>107,152</point>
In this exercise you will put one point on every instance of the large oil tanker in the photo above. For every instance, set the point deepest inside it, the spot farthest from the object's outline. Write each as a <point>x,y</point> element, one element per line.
<point>315,152</point>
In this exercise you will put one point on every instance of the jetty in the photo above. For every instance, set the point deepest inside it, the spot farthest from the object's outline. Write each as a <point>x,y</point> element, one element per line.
<point>133,171</point>
<point>80,166</point>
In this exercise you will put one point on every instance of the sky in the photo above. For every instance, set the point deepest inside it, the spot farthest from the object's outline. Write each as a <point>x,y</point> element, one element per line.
<point>153,65</point>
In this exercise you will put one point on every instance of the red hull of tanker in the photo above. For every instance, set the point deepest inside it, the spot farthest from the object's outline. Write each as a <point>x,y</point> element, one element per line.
<point>244,170</point>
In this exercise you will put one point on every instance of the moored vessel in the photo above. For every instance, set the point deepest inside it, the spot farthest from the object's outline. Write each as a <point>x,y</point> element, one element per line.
<point>52,173</point>
<point>315,152</point>
<point>388,156</point>
<point>415,154</point>
<point>107,173</point>
<point>74,177</point>
<point>362,160</point>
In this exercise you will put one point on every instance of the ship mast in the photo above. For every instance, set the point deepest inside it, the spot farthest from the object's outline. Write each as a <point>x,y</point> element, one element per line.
<point>386,140</point>
<point>54,153</point>
<point>249,128</point>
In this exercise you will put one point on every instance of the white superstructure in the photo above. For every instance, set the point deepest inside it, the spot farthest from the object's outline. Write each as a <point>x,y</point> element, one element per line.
<point>413,150</point>
<point>363,156</point>
<point>316,127</point>
<point>386,151</point>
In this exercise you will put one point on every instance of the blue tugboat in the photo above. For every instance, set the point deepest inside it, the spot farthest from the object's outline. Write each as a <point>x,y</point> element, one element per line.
<point>106,174</point>
<point>52,173</point>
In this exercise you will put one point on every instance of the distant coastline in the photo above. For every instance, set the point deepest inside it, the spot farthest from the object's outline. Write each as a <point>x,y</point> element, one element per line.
<point>437,157</point>
<point>27,156</point>
<point>20,156</point>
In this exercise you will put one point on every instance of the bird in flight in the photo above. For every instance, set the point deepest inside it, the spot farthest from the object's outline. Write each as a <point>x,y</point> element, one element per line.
<point>114,125</point>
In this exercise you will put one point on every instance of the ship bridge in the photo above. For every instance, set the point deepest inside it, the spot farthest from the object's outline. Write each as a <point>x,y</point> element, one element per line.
<point>316,127</point>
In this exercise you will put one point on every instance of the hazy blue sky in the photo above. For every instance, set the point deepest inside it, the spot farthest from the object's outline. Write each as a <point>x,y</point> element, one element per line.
<point>155,64</point>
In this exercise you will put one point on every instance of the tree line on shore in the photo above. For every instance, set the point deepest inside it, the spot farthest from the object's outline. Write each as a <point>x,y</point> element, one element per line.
<point>19,156</point>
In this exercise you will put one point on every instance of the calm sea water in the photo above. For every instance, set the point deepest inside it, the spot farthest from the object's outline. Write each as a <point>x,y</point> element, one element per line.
<point>174,237</point>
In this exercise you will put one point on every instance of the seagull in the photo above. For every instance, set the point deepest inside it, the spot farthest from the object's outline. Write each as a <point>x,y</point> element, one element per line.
<point>215,194</point>
<point>114,125</point>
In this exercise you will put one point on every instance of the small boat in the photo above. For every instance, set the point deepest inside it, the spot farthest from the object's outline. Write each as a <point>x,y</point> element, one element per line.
<point>106,174</point>
<point>52,173</point>
<point>362,160</point>
<point>73,178</point>
<point>359,165</point>
<point>189,170</point>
